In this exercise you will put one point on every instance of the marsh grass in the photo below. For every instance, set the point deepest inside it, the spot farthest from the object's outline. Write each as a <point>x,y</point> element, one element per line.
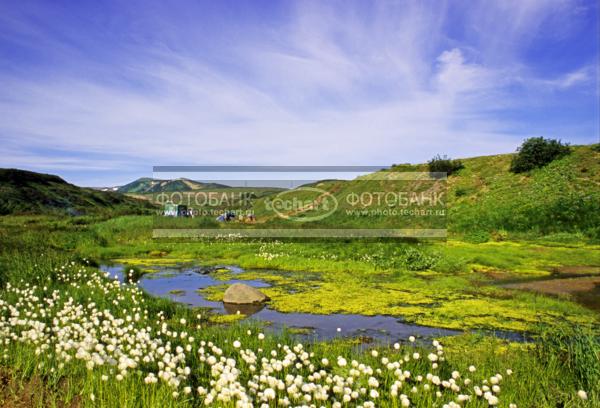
<point>576,348</point>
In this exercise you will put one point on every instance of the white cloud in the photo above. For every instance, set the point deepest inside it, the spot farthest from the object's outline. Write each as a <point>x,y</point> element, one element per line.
<point>330,86</point>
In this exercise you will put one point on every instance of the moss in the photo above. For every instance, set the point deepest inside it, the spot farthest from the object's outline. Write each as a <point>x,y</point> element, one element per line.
<point>356,277</point>
<point>441,301</point>
<point>226,319</point>
<point>300,330</point>
<point>213,293</point>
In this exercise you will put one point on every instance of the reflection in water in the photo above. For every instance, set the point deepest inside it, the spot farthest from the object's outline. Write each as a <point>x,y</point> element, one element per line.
<point>181,285</point>
<point>249,309</point>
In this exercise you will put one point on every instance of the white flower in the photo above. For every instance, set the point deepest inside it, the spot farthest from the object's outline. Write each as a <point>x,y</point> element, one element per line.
<point>237,344</point>
<point>582,394</point>
<point>261,336</point>
<point>339,329</point>
<point>411,339</point>
<point>472,369</point>
<point>396,346</point>
<point>269,393</point>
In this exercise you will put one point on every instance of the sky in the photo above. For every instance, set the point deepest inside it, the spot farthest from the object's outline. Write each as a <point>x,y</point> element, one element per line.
<point>99,92</point>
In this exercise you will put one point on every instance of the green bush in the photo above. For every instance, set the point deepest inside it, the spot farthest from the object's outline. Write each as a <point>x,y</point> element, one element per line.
<point>443,164</point>
<point>477,237</point>
<point>596,147</point>
<point>536,152</point>
<point>416,260</point>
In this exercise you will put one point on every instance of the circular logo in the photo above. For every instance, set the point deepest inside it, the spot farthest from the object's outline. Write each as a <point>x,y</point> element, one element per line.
<point>304,204</point>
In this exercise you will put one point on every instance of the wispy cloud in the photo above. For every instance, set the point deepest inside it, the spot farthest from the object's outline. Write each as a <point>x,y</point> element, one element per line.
<point>333,83</point>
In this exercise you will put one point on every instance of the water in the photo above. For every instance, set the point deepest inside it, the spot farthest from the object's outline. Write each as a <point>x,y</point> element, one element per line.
<point>180,284</point>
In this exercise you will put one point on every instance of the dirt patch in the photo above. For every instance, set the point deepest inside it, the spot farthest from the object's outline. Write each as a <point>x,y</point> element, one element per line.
<point>29,393</point>
<point>577,270</point>
<point>559,286</point>
<point>585,290</point>
<point>497,274</point>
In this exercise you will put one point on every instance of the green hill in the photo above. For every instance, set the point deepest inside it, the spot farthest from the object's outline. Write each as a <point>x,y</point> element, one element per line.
<point>484,200</point>
<point>26,192</point>
<point>563,196</point>
<point>146,185</point>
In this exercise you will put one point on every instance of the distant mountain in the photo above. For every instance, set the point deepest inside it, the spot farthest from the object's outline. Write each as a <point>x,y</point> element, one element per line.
<point>27,192</point>
<point>146,185</point>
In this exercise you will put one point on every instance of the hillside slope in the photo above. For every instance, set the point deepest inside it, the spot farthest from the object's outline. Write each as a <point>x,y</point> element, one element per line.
<point>26,192</point>
<point>485,200</point>
<point>146,185</point>
<point>563,196</point>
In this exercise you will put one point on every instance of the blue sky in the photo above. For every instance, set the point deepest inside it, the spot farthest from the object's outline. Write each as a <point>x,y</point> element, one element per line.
<point>99,92</point>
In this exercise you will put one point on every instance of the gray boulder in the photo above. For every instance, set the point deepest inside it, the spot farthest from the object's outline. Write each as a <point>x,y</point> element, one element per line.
<point>240,293</point>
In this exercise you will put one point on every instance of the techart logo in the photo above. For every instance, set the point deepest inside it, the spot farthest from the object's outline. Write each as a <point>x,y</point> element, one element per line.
<point>303,204</point>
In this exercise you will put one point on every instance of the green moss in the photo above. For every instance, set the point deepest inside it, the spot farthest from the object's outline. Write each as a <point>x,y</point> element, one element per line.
<point>433,300</point>
<point>226,319</point>
<point>213,293</point>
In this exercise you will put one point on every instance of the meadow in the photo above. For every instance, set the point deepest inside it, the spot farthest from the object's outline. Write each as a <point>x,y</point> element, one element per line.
<point>73,337</point>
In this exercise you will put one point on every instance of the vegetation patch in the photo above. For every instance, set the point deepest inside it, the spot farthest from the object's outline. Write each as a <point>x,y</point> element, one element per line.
<point>537,152</point>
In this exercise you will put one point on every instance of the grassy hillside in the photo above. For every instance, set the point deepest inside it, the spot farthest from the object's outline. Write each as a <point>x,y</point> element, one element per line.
<point>484,200</point>
<point>26,192</point>
<point>562,197</point>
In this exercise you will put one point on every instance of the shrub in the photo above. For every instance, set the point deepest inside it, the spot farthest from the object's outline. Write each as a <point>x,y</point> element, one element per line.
<point>444,164</point>
<point>477,237</point>
<point>536,152</point>
<point>416,260</point>
<point>596,147</point>
<point>499,235</point>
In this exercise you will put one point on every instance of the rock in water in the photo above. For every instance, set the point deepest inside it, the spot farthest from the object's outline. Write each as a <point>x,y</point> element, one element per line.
<point>240,293</point>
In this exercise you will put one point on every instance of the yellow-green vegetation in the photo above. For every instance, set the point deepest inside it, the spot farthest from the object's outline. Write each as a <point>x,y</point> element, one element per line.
<point>225,319</point>
<point>459,291</point>
<point>457,287</point>
<point>450,302</point>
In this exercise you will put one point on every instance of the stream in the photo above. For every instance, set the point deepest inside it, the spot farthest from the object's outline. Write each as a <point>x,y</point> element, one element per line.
<point>181,283</point>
